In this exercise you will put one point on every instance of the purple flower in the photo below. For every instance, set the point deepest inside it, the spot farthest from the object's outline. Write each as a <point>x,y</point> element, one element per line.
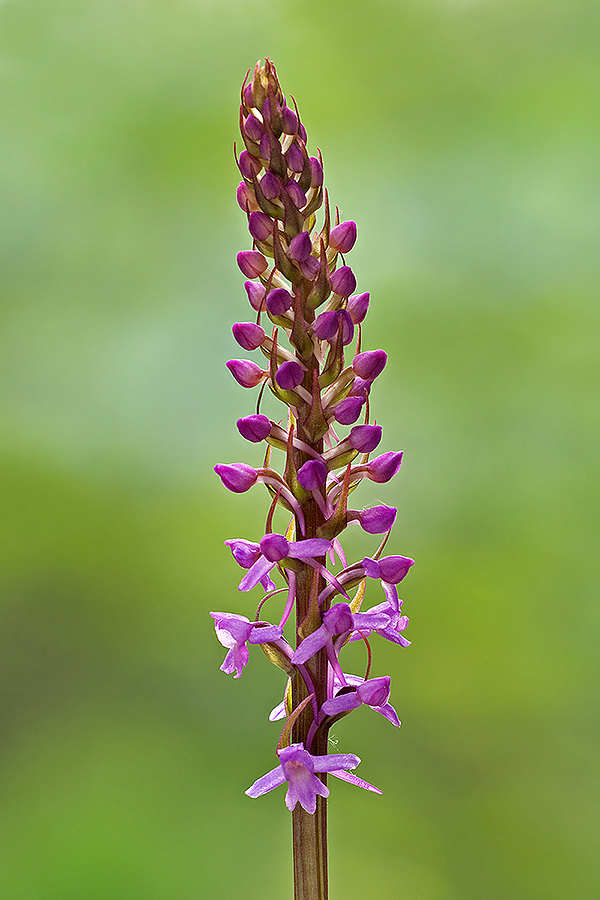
<point>365,438</point>
<point>275,547</point>
<point>312,475</point>
<point>253,129</point>
<point>301,246</point>
<point>370,364</point>
<point>327,325</point>
<point>384,467</point>
<point>290,120</point>
<point>295,158</point>
<point>343,281</point>
<point>357,307</point>
<point>256,293</point>
<point>260,226</point>
<point>348,410</point>
<point>297,766</point>
<point>278,301</point>
<point>289,375</point>
<point>316,172</point>
<point>336,621</point>
<point>248,335</point>
<point>237,477</point>
<point>374,693</point>
<point>234,632</point>
<point>396,622</point>
<point>391,569</point>
<point>249,165</point>
<point>246,553</point>
<point>295,193</point>
<point>254,428</point>
<point>343,237</point>
<point>252,263</point>
<point>375,520</point>
<point>246,373</point>
<point>270,185</point>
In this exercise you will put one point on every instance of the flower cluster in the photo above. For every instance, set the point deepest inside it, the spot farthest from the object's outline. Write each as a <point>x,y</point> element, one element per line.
<point>300,289</point>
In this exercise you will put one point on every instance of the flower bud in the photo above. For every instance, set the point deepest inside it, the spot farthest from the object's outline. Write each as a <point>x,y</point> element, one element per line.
<point>252,128</point>
<point>252,263</point>
<point>357,307</point>
<point>248,95</point>
<point>343,281</point>
<point>384,467</point>
<point>248,335</point>
<point>248,164</point>
<point>375,691</point>
<point>271,112</point>
<point>295,158</point>
<point>325,326</point>
<point>297,195</point>
<point>245,197</point>
<point>370,364</point>
<point>302,131</point>
<point>343,237</point>
<point>254,428</point>
<point>310,268</point>
<point>237,477</point>
<point>378,519</point>
<point>289,375</point>
<point>348,410</point>
<point>347,327</point>
<point>365,438</point>
<point>301,246</point>
<point>245,372</point>
<point>360,388</point>
<point>312,475</point>
<point>260,226</point>
<point>316,173</point>
<point>265,148</point>
<point>256,293</point>
<point>278,301</point>
<point>290,120</point>
<point>270,185</point>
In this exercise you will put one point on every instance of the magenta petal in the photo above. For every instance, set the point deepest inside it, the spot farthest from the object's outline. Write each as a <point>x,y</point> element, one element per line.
<point>303,789</point>
<point>341,703</point>
<point>260,568</point>
<point>278,712</point>
<point>311,645</point>
<point>267,783</point>
<point>312,547</point>
<point>388,711</point>
<point>265,634</point>
<point>335,761</point>
<point>354,779</point>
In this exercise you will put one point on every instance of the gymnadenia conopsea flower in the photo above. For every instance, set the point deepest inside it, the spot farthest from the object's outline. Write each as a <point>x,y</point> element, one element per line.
<point>304,328</point>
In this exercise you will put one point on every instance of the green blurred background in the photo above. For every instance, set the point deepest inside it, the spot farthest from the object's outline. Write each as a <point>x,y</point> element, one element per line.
<point>462,135</point>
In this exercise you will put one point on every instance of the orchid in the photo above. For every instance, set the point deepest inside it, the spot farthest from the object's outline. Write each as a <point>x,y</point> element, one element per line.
<point>297,767</point>
<point>306,323</point>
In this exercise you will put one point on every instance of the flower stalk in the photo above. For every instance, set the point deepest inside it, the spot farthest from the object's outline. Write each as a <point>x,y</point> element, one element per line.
<point>301,293</point>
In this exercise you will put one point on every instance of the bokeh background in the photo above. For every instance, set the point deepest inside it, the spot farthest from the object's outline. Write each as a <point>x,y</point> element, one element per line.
<point>462,135</point>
